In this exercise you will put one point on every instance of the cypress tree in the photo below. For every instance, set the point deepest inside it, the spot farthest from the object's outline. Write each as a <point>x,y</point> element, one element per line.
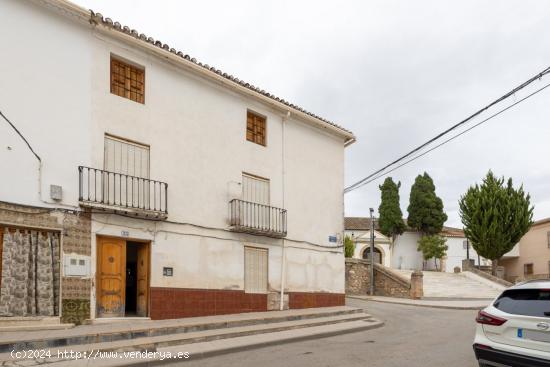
<point>391,218</point>
<point>425,209</point>
<point>495,216</point>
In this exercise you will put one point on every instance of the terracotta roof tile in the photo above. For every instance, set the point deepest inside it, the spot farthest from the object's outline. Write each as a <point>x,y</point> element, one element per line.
<point>359,223</point>
<point>363,223</point>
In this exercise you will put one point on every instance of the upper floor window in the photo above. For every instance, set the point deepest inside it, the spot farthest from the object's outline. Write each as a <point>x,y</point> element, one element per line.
<point>255,128</point>
<point>548,238</point>
<point>127,81</point>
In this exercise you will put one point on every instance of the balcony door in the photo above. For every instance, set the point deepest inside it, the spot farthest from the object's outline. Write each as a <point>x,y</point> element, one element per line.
<point>256,212</point>
<point>126,166</point>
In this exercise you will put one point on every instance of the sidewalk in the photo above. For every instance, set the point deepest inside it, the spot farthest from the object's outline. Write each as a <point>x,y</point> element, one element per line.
<point>108,344</point>
<point>451,304</point>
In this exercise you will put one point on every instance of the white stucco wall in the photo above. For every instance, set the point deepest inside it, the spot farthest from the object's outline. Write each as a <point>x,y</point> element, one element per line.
<point>56,90</point>
<point>45,79</point>
<point>456,253</point>
<point>406,256</point>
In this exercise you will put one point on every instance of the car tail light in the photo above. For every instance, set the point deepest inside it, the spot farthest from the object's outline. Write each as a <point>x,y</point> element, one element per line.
<point>488,319</point>
<point>482,346</point>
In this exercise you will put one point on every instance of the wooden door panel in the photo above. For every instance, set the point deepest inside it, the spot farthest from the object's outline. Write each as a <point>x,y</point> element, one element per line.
<point>142,280</point>
<point>111,277</point>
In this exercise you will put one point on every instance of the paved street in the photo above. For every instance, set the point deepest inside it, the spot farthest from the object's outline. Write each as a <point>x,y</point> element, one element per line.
<point>413,336</point>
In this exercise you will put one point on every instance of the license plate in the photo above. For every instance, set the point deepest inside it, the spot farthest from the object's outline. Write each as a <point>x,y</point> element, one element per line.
<point>539,336</point>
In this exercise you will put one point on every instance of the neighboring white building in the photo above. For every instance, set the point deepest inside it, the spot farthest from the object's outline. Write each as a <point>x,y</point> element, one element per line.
<point>205,188</point>
<point>403,254</point>
<point>358,229</point>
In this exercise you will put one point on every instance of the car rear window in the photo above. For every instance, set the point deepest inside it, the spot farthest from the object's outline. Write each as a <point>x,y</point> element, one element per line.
<point>528,302</point>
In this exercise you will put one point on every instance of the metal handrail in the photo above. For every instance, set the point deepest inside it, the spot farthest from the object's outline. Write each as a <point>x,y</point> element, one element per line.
<point>257,218</point>
<point>121,190</point>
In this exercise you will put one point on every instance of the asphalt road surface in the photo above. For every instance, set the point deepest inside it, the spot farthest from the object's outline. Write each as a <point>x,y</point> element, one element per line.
<point>412,337</point>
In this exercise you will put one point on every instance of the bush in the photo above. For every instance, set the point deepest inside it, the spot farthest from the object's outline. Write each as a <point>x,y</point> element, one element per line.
<point>349,247</point>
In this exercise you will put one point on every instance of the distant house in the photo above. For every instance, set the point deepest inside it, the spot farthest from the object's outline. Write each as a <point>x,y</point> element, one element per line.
<point>403,254</point>
<point>530,258</point>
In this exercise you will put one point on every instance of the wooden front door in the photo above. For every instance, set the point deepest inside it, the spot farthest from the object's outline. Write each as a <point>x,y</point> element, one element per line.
<point>142,279</point>
<point>111,276</point>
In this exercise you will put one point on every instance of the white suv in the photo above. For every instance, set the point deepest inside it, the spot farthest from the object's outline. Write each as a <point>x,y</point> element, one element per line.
<point>515,329</point>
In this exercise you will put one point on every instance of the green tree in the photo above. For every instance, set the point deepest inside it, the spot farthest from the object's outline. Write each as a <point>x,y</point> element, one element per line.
<point>432,246</point>
<point>495,216</point>
<point>425,209</point>
<point>391,218</point>
<point>349,247</point>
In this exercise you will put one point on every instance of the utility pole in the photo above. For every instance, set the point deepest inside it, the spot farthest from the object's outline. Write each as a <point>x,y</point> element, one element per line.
<point>371,252</point>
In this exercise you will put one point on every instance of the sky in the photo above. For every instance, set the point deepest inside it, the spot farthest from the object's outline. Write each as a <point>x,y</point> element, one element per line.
<point>396,73</point>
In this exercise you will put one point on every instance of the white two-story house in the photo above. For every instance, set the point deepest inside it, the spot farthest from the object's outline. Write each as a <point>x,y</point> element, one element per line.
<point>143,183</point>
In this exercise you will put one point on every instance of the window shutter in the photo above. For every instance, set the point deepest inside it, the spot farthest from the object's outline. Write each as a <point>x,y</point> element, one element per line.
<point>255,270</point>
<point>255,189</point>
<point>126,158</point>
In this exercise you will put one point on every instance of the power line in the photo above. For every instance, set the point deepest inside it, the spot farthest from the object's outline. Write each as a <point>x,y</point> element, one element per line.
<point>455,136</point>
<point>21,135</point>
<point>364,180</point>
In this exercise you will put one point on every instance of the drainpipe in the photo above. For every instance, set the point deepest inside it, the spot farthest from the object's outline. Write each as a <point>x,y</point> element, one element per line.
<point>283,252</point>
<point>371,252</point>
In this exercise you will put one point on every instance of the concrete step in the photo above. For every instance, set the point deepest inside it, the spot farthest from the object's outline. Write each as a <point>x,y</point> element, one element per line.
<point>451,285</point>
<point>224,346</point>
<point>352,321</point>
<point>38,327</point>
<point>105,333</point>
<point>33,323</point>
<point>28,320</point>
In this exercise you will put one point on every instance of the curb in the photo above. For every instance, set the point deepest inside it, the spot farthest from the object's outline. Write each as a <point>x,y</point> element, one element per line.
<point>221,351</point>
<point>445,307</point>
<point>217,351</point>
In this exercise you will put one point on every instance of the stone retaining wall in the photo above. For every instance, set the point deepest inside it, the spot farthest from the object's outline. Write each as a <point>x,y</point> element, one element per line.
<point>467,265</point>
<point>387,282</point>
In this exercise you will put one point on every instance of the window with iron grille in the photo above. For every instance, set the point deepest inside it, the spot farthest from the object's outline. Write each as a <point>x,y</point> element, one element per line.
<point>527,269</point>
<point>127,81</point>
<point>255,128</point>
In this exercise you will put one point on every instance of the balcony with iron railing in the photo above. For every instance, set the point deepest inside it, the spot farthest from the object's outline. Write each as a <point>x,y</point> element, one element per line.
<point>121,193</point>
<point>254,218</point>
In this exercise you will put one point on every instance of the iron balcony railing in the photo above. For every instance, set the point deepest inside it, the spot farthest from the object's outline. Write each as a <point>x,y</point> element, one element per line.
<point>106,189</point>
<point>246,216</point>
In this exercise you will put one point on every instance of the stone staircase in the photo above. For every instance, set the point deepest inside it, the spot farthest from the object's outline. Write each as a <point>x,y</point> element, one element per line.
<point>456,286</point>
<point>190,334</point>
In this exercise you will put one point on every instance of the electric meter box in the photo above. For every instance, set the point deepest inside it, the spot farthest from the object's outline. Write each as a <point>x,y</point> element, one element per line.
<point>76,265</point>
